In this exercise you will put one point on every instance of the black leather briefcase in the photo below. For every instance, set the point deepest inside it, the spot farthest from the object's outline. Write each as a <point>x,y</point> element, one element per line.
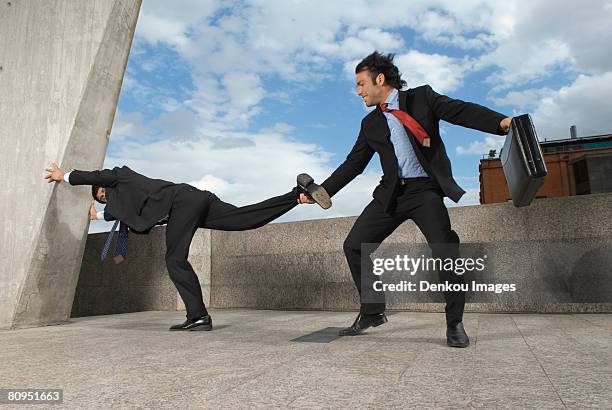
<point>522,160</point>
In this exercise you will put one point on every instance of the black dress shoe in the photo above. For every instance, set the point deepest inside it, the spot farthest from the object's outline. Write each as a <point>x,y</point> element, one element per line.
<point>203,323</point>
<point>363,322</point>
<point>315,191</point>
<point>456,336</point>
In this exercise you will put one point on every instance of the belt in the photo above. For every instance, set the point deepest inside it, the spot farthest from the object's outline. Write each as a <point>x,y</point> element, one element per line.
<point>407,181</point>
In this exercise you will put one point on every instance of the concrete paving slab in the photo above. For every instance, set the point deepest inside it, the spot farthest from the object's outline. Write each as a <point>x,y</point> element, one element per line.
<point>251,360</point>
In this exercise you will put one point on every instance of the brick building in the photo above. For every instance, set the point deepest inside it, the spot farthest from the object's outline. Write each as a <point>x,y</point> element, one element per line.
<point>576,166</point>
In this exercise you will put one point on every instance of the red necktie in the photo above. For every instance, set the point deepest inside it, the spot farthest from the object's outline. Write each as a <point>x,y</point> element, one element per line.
<point>410,123</point>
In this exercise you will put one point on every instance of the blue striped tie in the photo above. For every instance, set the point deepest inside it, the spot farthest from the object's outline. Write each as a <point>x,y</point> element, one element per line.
<point>109,239</point>
<point>122,242</point>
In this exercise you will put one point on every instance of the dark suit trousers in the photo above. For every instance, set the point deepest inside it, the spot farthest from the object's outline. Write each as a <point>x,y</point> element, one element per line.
<point>422,201</point>
<point>193,209</point>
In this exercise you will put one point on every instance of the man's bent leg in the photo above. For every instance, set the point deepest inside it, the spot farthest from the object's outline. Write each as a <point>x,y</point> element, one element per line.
<point>372,227</point>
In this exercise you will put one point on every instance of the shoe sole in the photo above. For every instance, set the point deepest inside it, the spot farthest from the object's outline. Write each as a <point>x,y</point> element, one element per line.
<point>320,196</point>
<point>193,329</point>
<point>381,321</point>
<point>458,344</point>
<point>317,193</point>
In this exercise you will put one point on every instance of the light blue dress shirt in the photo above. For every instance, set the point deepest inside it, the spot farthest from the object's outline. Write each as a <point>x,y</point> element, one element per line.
<point>408,165</point>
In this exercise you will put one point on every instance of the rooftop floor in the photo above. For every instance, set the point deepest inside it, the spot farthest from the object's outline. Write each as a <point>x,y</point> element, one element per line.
<point>257,358</point>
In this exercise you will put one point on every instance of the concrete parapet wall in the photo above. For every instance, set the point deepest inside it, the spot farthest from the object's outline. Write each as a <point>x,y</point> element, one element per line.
<point>141,283</point>
<point>557,251</point>
<point>565,249</point>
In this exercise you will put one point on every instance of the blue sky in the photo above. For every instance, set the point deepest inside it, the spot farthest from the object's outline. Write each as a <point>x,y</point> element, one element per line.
<point>240,97</point>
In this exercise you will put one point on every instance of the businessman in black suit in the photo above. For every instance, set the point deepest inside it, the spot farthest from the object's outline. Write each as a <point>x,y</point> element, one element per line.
<point>417,176</point>
<point>141,202</point>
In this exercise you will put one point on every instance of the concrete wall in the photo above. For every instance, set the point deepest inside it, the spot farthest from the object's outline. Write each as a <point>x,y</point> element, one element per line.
<point>557,251</point>
<point>62,64</point>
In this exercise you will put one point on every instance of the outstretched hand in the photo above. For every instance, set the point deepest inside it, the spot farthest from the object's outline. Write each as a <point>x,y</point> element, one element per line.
<point>55,173</point>
<point>304,199</point>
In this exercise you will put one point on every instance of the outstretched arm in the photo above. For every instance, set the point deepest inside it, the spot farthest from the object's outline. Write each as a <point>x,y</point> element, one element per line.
<point>467,114</point>
<point>103,178</point>
<point>355,163</point>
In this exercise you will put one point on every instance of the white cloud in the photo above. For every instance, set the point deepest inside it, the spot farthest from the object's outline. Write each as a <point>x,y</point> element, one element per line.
<point>211,183</point>
<point>244,90</point>
<point>280,127</point>
<point>581,30</point>
<point>363,43</point>
<point>548,36</point>
<point>582,103</point>
<point>129,125</point>
<point>525,99</point>
<point>579,103</point>
<point>181,124</point>
<point>471,23</point>
<point>526,62</point>
<point>443,73</point>
<point>160,22</point>
<point>482,147</point>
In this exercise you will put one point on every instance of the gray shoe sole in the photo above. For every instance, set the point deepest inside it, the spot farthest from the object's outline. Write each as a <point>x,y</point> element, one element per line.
<point>319,195</point>
<point>316,192</point>
<point>193,329</point>
<point>457,344</point>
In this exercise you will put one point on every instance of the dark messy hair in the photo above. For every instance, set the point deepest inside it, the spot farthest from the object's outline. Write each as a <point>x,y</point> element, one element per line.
<point>94,192</point>
<point>378,63</point>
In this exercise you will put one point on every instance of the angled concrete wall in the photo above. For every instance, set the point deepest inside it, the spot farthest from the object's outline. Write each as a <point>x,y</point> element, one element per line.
<point>62,64</point>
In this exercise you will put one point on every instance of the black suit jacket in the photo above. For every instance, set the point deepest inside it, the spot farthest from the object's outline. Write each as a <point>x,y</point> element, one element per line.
<point>136,200</point>
<point>428,108</point>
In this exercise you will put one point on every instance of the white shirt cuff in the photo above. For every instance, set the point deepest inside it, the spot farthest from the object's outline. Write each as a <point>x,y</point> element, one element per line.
<point>100,215</point>
<point>67,176</point>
